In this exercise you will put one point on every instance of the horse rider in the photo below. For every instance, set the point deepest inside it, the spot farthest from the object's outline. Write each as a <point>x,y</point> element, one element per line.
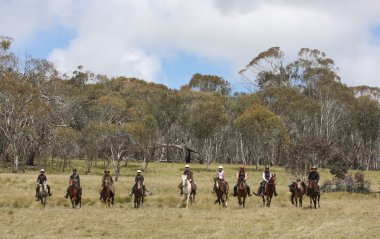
<point>75,182</point>
<point>139,178</point>
<point>266,176</point>
<point>189,175</point>
<point>40,180</point>
<point>313,177</point>
<point>107,177</point>
<point>220,176</point>
<point>242,175</point>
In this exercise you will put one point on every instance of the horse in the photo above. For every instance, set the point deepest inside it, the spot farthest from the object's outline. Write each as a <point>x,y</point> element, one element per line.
<point>107,195</point>
<point>313,193</point>
<point>221,191</point>
<point>298,191</point>
<point>42,193</point>
<point>269,190</point>
<point>241,193</point>
<point>75,198</point>
<point>139,195</point>
<point>187,191</point>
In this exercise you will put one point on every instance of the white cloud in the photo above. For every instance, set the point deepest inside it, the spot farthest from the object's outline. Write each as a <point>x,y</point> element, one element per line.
<point>126,37</point>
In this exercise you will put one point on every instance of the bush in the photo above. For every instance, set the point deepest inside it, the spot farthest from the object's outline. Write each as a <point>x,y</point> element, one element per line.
<point>348,184</point>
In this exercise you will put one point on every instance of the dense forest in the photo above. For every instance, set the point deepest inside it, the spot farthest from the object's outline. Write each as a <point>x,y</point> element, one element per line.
<point>298,114</point>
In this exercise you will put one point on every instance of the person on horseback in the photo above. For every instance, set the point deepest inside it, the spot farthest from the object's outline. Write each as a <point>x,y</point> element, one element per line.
<point>313,177</point>
<point>40,180</point>
<point>107,178</point>
<point>75,180</point>
<point>189,175</point>
<point>139,178</point>
<point>266,176</point>
<point>242,175</point>
<point>220,176</point>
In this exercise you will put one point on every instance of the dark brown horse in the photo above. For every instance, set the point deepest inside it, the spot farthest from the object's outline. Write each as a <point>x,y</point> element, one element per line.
<point>314,194</point>
<point>269,191</point>
<point>298,190</point>
<point>221,191</point>
<point>107,195</point>
<point>139,195</point>
<point>42,193</point>
<point>241,193</point>
<point>75,197</point>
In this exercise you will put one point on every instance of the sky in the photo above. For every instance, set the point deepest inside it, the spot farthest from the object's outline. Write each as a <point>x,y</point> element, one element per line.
<point>167,41</point>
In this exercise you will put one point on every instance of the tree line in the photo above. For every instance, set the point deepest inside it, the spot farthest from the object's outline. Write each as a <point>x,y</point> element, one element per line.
<point>295,115</point>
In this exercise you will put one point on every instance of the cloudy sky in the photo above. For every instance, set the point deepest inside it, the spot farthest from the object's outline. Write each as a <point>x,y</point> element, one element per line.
<point>167,41</point>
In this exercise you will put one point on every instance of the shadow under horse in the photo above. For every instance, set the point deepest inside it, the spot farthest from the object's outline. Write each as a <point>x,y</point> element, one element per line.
<point>269,191</point>
<point>138,195</point>
<point>107,195</point>
<point>74,194</point>
<point>241,193</point>
<point>314,194</point>
<point>297,190</point>
<point>221,191</point>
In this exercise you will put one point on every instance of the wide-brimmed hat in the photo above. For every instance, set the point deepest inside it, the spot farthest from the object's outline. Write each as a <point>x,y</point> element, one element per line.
<point>267,167</point>
<point>313,167</point>
<point>187,166</point>
<point>220,166</point>
<point>139,171</point>
<point>106,171</point>
<point>42,170</point>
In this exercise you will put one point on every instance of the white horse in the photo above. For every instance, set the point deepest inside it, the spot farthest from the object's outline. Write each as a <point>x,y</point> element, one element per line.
<point>186,189</point>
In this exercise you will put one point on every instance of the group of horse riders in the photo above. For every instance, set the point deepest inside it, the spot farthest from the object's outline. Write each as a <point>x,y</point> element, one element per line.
<point>313,180</point>
<point>241,176</point>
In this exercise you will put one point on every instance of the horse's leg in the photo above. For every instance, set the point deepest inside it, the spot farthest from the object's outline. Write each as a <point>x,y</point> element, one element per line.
<point>263,200</point>
<point>292,199</point>
<point>319,196</point>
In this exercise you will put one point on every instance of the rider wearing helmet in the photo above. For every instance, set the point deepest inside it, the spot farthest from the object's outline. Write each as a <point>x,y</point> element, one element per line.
<point>40,180</point>
<point>139,178</point>
<point>242,175</point>
<point>266,176</point>
<point>220,176</point>
<point>75,180</point>
<point>189,175</point>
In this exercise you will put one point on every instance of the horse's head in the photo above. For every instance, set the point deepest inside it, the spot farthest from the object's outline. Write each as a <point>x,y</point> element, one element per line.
<point>272,180</point>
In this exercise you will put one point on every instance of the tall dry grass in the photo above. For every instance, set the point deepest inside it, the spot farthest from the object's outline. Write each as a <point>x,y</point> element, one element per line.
<point>342,215</point>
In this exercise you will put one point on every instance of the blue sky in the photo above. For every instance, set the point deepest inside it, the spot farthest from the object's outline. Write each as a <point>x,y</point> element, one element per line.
<point>169,41</point>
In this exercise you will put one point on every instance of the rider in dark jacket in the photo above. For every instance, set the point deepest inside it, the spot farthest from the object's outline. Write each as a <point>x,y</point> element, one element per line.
<point>75,180</point>
<point>40,180</point>
<point>139,177</point>
<point>313,177</point>
<point>189,175</point>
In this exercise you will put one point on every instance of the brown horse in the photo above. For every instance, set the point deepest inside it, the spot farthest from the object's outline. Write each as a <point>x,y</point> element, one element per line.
<point>75,197</point>
<point>241,193</point>
<point>269,190</point>
<point>298,191</point>
<point>221,191</point>
<point>107,195</point>
<point>42,193</point>
<point>314,194</point>
<point>139,195</point>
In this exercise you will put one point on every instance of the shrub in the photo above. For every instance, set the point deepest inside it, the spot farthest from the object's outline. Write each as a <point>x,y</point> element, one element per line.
<point>348,184</point>
<point>327,186</point>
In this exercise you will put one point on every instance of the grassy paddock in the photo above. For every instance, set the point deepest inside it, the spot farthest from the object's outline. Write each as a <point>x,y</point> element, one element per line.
<point>342,215</point>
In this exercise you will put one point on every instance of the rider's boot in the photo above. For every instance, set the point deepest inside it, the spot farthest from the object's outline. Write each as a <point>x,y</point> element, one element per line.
<point>249,191</point>
<point>67,195</point>
<point>261,193</point>
<point>37,194</point>
<point>48,187</point>
<point>275,193</point>
<point>181,192</point>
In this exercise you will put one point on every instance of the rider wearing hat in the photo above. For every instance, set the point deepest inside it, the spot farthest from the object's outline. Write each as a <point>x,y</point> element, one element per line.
<point>40,180</point>
<point>139,178</point>
<point>220,176</point>
<point>107,178</point>
<point>189,175</point>
<point>242,175</point>
<point>266,176</point>
<point>75,182</point>
<point>313,176</point>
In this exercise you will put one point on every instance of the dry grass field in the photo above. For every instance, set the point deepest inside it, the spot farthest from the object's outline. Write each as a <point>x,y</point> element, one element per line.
<point>342,215</point>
